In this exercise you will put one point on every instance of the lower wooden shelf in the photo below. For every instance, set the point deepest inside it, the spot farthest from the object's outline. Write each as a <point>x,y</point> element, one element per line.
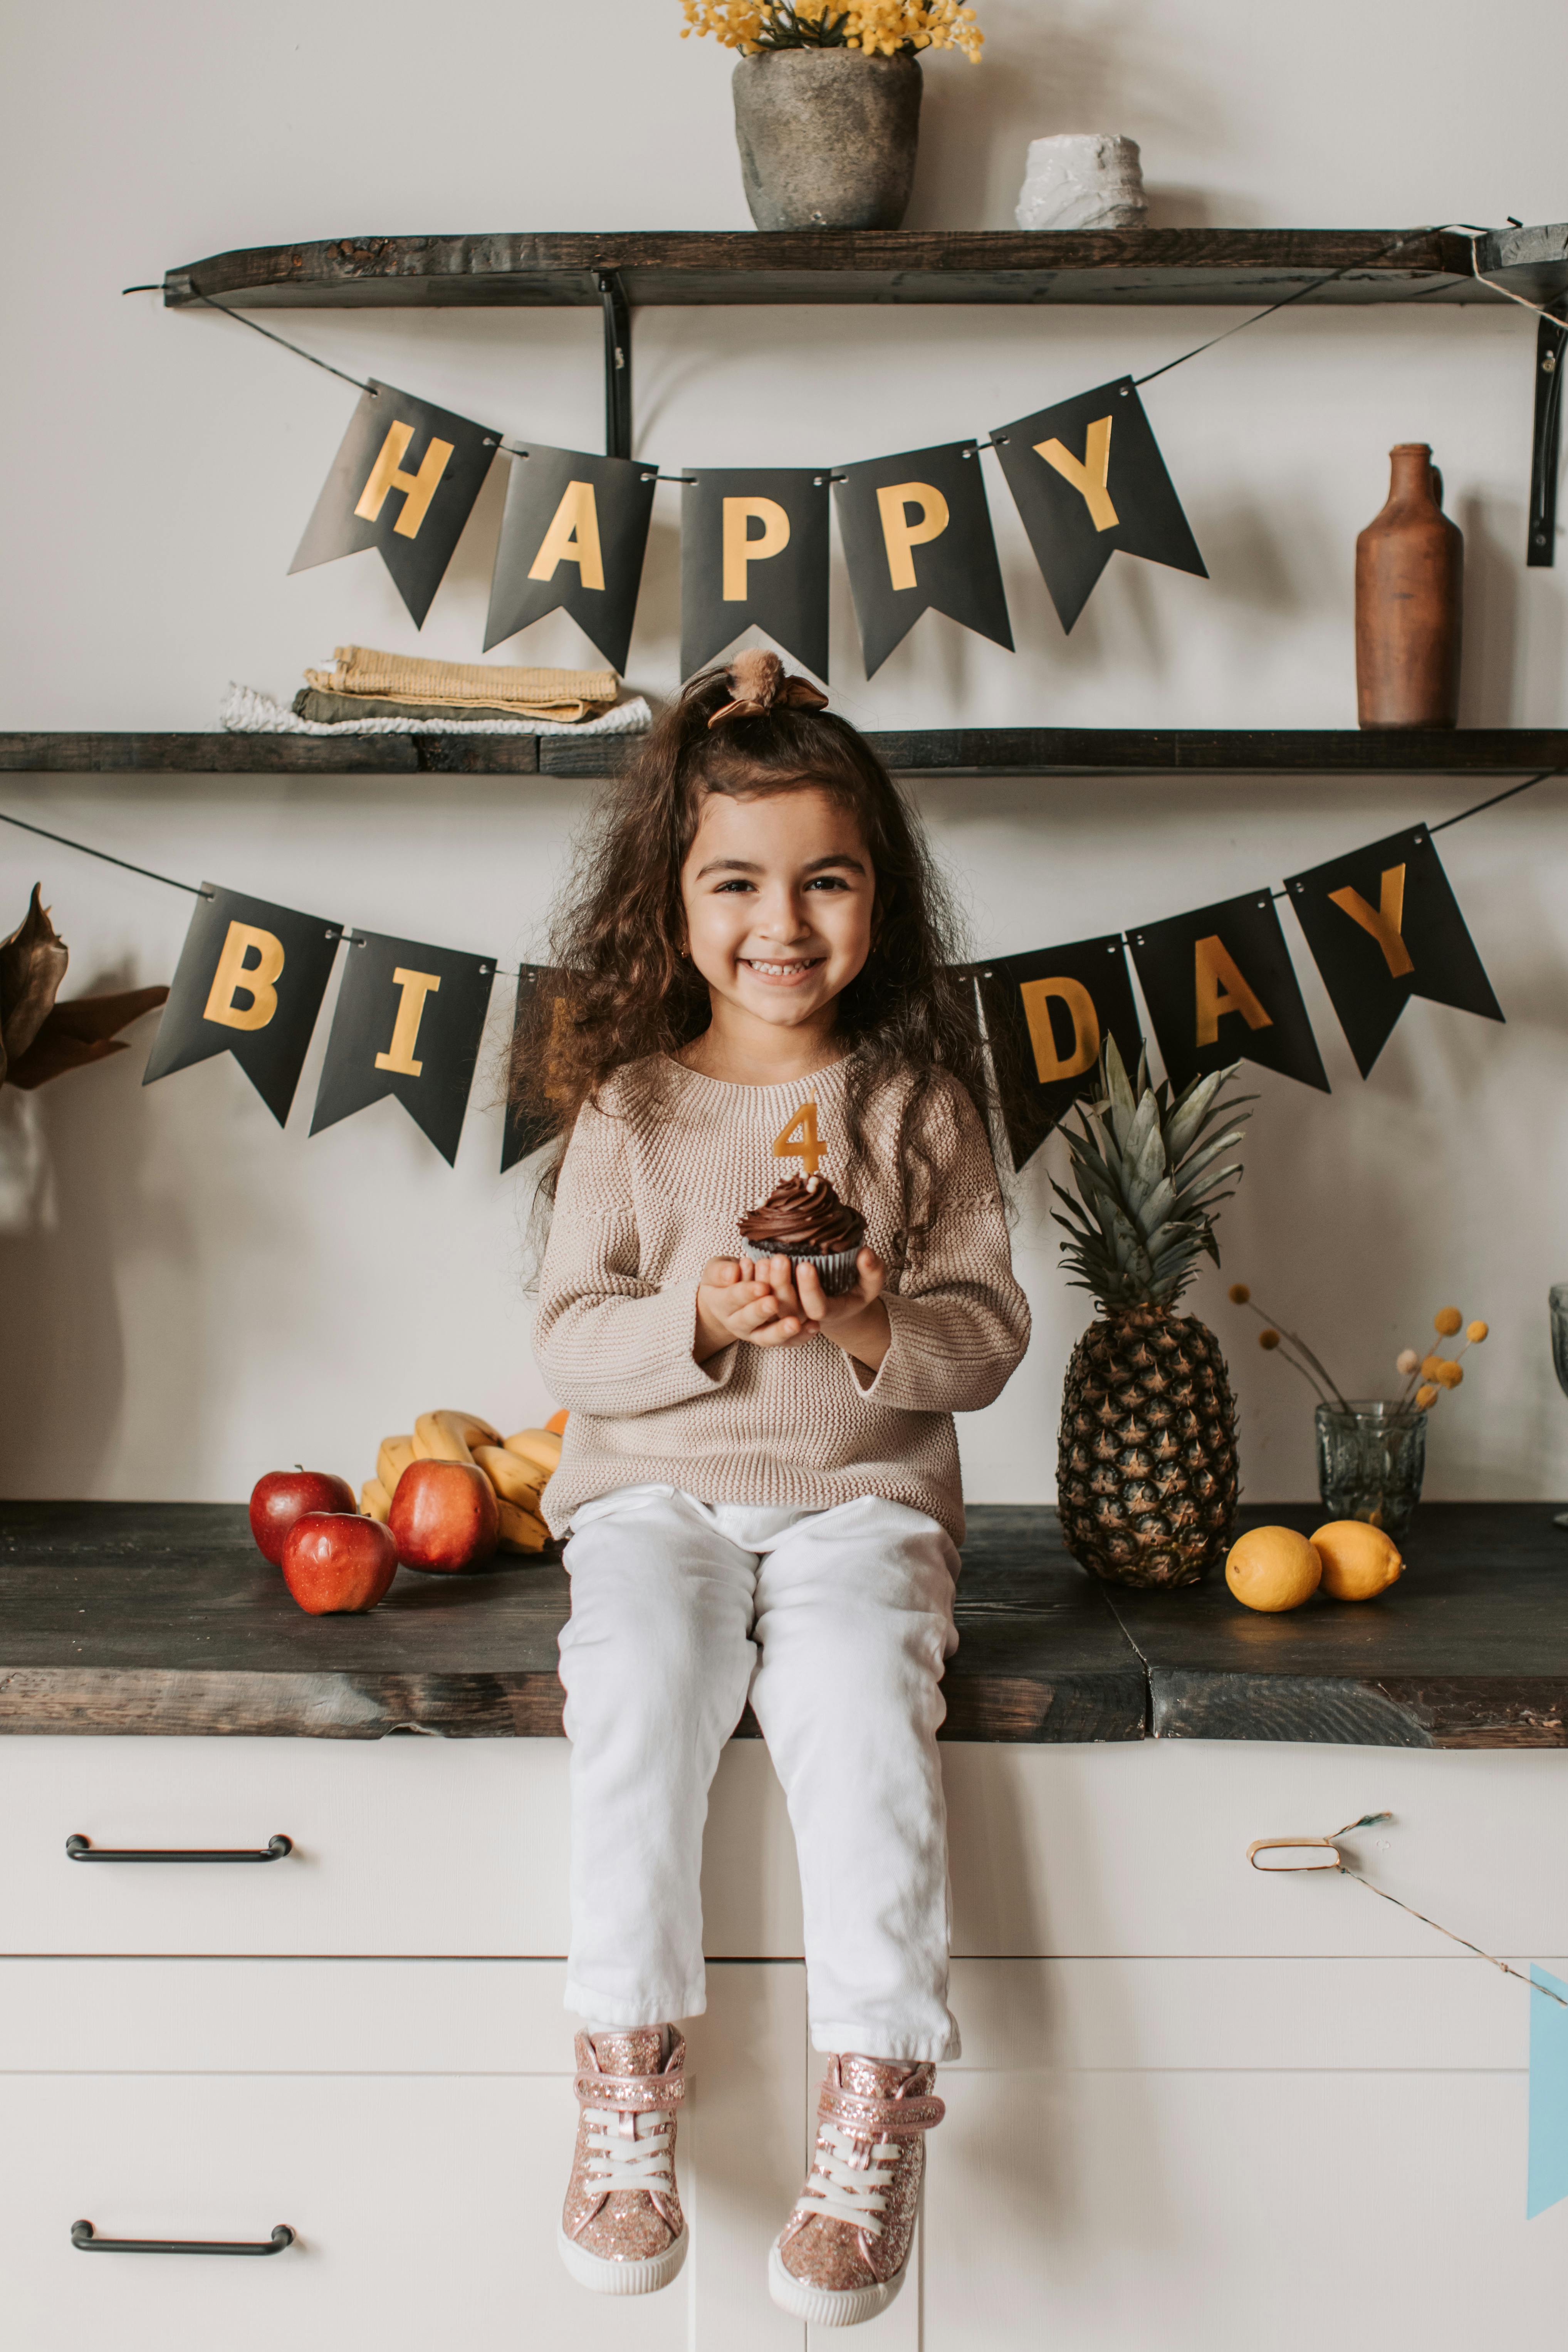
<point>1171,753</point>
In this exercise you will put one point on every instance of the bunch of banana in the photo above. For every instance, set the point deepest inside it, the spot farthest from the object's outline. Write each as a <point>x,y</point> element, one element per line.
<point>518,1467</point>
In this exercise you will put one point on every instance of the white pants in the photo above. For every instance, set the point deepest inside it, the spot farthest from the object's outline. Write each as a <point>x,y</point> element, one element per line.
<point>835,1624</point>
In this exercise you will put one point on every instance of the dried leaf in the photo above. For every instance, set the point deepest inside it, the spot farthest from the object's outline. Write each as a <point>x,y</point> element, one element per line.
<point>72,1035</point>
<point>31,965</point>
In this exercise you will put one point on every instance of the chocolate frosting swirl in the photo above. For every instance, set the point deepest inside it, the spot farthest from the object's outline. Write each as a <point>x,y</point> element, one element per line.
<point>802,1217</point>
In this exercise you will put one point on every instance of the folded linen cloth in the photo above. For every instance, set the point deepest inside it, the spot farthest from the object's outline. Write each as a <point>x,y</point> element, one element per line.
<point>246,710</point>
<point>411,677</point>
<point>353,710</point>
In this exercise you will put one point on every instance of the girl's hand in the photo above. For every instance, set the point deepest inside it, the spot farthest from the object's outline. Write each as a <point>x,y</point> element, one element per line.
<point>857,1321</point>
<point>736,1301</point>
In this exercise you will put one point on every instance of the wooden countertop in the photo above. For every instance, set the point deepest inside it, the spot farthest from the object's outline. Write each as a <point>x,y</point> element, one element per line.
<point>162,1618</point>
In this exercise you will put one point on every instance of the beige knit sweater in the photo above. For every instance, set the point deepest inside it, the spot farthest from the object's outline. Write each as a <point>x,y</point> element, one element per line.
<point>653,1185</point>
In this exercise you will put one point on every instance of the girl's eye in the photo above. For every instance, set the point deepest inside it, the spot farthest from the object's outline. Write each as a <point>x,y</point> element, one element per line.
<point>827,882</point>
<point>739,883</point>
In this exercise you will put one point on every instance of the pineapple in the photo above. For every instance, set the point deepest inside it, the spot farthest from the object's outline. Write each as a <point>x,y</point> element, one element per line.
<point>1146,1467</point>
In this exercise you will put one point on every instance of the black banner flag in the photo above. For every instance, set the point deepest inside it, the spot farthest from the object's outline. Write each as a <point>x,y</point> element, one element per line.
<point>753,548</point>
<point>407,1022</point>
<point>1088,478</point>
<point>1047,1014</point>
<point>1221,988</point>
<point>529,1118</point>
<point>250,981</point>
<point>405,480</point>
<point>574,536</point>
<point>1383,925</point>
<point>917,537</point>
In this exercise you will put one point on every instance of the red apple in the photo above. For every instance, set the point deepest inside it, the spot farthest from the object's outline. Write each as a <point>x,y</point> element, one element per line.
<point>444,1516</point>
<point>336,1561</point>
<point>285,1496</point>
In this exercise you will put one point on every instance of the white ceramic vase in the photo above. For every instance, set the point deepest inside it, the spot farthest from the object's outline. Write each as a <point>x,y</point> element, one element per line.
<point>1082,179</point>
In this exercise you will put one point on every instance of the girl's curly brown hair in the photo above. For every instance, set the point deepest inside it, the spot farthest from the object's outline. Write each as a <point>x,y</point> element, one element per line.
<point>620,988</point>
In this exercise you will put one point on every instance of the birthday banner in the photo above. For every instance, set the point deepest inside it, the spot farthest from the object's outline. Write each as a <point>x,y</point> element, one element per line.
<point>1382,924</point>
<point>1086,474</point>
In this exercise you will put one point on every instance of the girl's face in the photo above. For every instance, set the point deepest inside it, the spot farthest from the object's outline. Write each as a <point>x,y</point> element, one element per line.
<point>780,899</point>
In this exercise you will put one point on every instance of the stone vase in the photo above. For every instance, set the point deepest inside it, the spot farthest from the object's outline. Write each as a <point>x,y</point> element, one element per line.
<point>827,137</point>
<point>1409,584</point>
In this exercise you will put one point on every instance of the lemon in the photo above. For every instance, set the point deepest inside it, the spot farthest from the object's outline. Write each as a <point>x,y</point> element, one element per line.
<point>1272,1567</point>
<point>1359,1561</point>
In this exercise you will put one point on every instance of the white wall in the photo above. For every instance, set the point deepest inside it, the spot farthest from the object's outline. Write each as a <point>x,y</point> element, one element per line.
<point>191,1296</point>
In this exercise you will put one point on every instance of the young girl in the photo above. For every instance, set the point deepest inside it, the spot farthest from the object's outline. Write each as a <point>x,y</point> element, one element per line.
<point>760,1477</point>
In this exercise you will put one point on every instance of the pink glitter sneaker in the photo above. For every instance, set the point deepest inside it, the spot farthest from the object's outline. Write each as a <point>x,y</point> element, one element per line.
<point>622,2231</point>
<point>842,2254</point>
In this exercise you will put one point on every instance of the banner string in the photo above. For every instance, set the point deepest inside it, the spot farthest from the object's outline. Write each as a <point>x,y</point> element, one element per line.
<point>1496,797</point>
<point>66,843</point>
<point>1347,1870</point>
<point>506,973</point>
<point>1410,237</point>
<point>297,349</point>
<point>1330,278</point>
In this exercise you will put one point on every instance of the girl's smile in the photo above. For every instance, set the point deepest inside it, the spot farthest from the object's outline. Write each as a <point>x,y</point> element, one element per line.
<point>779,897</point>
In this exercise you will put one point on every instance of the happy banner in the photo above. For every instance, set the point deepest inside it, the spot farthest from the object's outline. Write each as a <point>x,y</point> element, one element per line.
<point>1086,474</point>
<point>404,480</point>
<point>572,537</point>
<point>1088,478</point>
<point>917,538</point>
<point>754,551</point>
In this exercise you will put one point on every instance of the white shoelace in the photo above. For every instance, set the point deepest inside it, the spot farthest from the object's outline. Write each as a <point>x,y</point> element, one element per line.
<point>842,2186</point>
<point>641,2160</point>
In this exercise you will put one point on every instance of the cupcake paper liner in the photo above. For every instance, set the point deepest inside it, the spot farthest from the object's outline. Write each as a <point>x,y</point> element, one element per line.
<point>837,1271</point>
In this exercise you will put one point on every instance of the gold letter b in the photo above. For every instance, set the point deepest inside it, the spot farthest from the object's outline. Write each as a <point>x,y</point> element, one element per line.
<point>235,977</point>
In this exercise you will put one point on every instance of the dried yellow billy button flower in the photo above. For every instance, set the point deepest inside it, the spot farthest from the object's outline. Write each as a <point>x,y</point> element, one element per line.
<point>1434,1371</point>
<point>877,28</point>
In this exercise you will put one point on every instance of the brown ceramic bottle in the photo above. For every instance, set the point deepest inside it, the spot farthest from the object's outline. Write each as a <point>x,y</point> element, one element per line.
<point>1409,579</point>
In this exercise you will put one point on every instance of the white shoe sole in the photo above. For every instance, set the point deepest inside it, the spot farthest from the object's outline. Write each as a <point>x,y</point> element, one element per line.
<point>603,2276</point>
<point>822,2306</point>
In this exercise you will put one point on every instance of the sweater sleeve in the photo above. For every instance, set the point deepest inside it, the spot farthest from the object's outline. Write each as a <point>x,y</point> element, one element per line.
<point>959,1323</point>
<point>608,1342</point>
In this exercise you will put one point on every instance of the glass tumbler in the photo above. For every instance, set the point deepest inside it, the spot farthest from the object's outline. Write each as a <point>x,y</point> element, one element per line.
<point>1557,1297</point>
<point>1371,1459</point>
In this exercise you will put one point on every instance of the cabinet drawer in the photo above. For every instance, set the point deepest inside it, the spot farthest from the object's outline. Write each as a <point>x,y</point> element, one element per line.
<point>425,2206</point>
<point>406,1845</point>
<point>1141,1847</point>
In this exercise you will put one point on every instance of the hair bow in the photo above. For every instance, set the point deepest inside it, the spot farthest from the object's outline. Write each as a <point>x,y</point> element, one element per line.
<point>758,683</point>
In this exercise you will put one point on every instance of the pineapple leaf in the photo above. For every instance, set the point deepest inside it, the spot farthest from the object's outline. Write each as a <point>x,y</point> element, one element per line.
<point>1117,1086</point>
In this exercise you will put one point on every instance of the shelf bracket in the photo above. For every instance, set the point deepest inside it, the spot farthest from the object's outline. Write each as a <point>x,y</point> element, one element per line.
<point>617,363</point>
<point>1545,441</point>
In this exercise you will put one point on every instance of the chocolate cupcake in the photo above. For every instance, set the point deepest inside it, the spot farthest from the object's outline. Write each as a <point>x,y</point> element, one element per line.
<point>803,1219</point>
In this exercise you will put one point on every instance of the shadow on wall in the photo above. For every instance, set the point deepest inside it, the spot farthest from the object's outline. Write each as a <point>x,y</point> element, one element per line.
<point>1076,70</point>
<point>1494,538</point>
<point>73,1200</point>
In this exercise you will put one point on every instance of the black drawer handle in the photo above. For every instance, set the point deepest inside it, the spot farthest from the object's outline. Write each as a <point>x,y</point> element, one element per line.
<point>82,1849</point>
<point>86,2243</point>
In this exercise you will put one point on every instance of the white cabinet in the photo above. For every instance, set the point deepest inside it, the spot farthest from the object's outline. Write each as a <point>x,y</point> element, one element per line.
<point>425,2200</point>
<point>1198,2106</point>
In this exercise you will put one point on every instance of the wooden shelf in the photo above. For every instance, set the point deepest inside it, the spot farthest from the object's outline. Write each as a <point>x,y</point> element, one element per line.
<point>183,1628</point>
<point>973,751</point>
<point>1109,266</point>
